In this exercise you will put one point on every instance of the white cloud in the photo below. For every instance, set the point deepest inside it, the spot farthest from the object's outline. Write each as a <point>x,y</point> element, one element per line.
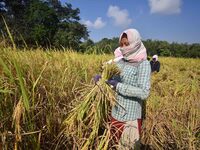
<point>98,23</point>
<point>165,6</point>
<point>121,17</point>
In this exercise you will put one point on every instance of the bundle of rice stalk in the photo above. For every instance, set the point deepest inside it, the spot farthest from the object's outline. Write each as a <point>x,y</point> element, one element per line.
<point>91,113</point>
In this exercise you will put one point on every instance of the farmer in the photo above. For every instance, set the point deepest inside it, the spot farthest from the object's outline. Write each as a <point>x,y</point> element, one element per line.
<point>132,89</point>
<point>155,64</point>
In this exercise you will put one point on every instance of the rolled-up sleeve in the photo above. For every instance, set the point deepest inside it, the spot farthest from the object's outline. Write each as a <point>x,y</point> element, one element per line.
<point>143,83</point>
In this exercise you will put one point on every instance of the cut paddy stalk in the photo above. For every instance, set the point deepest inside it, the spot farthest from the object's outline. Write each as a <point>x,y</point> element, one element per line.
<point>92,112</point>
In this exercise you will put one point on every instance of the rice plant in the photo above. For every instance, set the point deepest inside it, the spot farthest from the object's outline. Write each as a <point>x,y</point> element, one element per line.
<point>40,91</point>
<point>91,111</point>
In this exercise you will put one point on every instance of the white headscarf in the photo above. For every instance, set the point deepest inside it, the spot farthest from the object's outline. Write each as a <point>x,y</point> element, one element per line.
<point>135,52</point>
<point>156,57</point>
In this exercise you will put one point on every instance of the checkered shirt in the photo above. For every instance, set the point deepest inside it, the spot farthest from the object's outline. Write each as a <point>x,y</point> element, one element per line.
<point>133,88</point>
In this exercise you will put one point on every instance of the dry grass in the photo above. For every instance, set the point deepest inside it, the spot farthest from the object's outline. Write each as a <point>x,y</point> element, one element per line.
<point>91,112</point>
<point>46,83</point>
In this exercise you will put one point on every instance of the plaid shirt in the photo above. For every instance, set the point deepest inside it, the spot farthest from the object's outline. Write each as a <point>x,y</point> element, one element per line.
<point>134,86</point>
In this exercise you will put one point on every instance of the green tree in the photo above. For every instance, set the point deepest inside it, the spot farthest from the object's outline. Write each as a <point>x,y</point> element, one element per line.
<point>150,46</point>
<point>86,45</point>
<point>45,22</point>
<point>194,50</point>
<point>108,45</point>
<point>14,14</point>
<point>42,22</point>
<point>163,48</point>
<point>69,32</point>
<point>70,35</point>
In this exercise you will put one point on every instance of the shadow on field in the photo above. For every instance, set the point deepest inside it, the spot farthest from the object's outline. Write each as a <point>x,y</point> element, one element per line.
<point>145,147</point>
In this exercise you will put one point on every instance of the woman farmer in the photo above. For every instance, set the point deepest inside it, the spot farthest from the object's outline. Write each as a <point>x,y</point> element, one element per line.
<point>132,88</point>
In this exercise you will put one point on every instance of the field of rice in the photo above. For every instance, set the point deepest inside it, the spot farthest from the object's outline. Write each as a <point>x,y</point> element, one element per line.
<point>37,89</point>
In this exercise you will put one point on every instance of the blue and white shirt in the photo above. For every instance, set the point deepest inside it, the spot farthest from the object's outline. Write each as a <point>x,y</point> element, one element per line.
<point>133,88</point>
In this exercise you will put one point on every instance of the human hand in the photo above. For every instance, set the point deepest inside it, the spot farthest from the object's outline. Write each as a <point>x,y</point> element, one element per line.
<point>96,78</point>
<point>113,83</point>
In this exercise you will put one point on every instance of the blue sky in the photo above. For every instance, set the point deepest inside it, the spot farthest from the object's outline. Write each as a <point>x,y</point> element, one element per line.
<point>170,20</point>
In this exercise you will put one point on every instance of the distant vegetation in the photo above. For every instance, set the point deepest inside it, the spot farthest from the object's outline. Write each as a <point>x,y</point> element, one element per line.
<point>162,48</point>
<point>49,24</point>
<point>43,23</point>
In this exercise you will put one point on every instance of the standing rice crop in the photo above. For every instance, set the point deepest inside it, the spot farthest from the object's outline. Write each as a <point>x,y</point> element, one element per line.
<point>52,79</point>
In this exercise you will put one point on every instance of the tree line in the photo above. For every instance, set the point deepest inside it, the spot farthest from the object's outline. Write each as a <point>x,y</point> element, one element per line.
<point>48,23</point>
<point>161,48</point>
<point>42,22</point>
